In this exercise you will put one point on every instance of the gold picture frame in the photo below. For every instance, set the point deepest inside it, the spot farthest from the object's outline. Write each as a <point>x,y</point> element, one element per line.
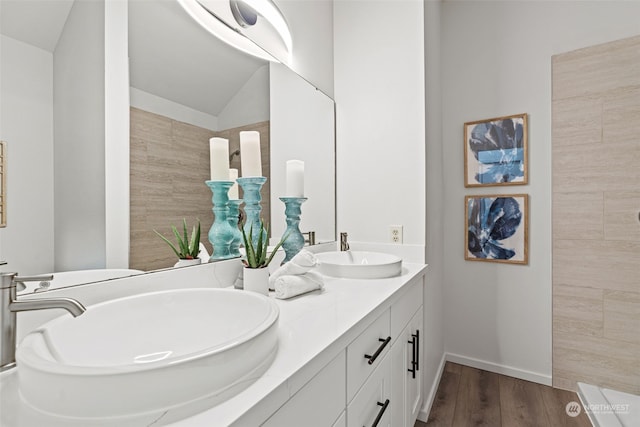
<point>497,228</point>
<point>496,152</point>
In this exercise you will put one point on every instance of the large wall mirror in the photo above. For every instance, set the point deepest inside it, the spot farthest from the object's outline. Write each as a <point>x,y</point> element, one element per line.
<point>186,86</point>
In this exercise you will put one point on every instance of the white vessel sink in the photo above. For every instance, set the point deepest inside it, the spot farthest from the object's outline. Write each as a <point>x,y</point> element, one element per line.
<point>148,353</point>
<point>359,264</point>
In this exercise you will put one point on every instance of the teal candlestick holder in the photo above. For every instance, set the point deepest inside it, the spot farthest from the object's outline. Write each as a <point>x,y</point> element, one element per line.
<point>295,240</point>
<point>221,232</point>
<point>234,212</point>
<point>251,187</point>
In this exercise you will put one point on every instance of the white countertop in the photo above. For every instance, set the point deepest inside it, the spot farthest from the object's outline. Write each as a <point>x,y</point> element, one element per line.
<point>312,330</point>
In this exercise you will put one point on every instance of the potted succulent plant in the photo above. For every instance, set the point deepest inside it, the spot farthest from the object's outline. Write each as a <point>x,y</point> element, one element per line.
<point>256,261</point>
<point>186,249</point>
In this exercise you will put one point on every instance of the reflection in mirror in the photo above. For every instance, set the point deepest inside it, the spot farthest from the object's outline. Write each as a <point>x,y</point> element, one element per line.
<point>186,87</point>
<point>52,117</point>
<point>52,95</point>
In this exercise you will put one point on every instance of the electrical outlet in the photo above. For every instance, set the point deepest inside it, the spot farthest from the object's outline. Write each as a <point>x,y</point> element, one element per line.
<point>395,233</point>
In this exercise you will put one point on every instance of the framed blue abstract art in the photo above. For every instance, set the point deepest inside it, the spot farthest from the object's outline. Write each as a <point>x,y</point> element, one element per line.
<point>497,228</point>
<point>495,151</point>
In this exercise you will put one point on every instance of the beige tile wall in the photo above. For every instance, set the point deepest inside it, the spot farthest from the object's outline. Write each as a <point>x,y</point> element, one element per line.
<point>596,229</point>
<point>168,170</point>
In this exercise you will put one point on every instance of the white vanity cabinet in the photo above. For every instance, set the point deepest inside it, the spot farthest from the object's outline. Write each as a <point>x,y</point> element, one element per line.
<point>375,381</point>
<point>392,394</point>
<point>320,375</point>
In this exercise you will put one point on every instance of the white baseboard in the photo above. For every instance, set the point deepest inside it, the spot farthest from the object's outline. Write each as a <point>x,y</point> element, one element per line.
<point>479,364</point>
<point>500,369</point>
<point>423,415</point>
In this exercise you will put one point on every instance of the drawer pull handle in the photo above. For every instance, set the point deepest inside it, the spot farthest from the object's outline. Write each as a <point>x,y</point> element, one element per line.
<point>415,353</point>
<point>375,355</point>
<point>417,349</point>
<point>380,413</point>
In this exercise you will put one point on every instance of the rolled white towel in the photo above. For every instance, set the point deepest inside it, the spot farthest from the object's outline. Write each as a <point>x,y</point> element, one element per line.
<point>292,285</point>
<point>301,263</point>
<point>203,253</point>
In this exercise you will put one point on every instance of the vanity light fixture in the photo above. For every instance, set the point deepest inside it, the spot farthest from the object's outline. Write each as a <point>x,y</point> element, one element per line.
<point>261,20</point>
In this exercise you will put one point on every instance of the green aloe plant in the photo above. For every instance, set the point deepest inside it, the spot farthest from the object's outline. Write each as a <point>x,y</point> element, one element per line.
<point>256,256</point>
<point>186,249</point>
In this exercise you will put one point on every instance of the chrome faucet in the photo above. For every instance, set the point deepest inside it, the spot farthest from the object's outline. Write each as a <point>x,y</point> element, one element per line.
<point>344,245</point>
<point>311,237</point>
<point>9,306</point>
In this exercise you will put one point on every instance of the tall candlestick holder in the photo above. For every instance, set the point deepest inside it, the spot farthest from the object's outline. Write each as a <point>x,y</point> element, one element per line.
<point>221,232</point>
<point>295,240</point>
<point>234,212</point>
<point>251,187</point>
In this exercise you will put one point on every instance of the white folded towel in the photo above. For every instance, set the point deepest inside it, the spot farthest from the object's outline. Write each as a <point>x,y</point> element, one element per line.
<point>203,253</point>
<point>301,263</point>
<point>291,285</point>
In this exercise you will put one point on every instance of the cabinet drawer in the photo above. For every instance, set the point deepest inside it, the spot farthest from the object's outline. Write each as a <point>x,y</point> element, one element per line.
<point>366,351</point>
<point>404,308</point>
<point>319,403</point>
<point>374,400</point>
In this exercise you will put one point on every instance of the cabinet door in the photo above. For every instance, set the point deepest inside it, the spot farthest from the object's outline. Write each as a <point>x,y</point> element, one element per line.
<point>399,379</point>
<point>406,380</point>
<point>415,353</point>
<point>319,403</point>
<point>372,405</point>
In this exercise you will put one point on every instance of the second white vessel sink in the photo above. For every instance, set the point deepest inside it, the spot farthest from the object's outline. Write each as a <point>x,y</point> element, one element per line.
<point>148,352</point>
<point>359,264</point>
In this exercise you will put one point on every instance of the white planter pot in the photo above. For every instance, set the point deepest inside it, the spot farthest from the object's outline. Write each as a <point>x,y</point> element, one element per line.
<point>187,262</point>
<point>256,280</point>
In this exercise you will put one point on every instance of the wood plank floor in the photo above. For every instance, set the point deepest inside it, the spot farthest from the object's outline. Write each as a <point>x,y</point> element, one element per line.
<point>472,397</point>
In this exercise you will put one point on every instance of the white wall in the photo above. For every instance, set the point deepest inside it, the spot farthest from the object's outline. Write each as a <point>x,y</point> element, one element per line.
<point>79,157</point>
<point>250,104</point>
<point>433,296</point>
<point>26,124</point>
<point>496,60</point>
<point>380,105</point>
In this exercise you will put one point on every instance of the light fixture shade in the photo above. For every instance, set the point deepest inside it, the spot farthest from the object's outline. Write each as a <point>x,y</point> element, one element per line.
<point>270,30</point>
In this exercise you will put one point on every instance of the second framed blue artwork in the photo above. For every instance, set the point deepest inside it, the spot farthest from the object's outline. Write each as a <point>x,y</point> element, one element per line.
<point>495,151</point>
<point>497,228</point>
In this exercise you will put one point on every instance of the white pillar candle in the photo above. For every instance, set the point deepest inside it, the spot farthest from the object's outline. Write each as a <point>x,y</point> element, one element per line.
<point>250,158</point>
<point>219,157</point>
<point>233,191</point>
<point>295,178</point>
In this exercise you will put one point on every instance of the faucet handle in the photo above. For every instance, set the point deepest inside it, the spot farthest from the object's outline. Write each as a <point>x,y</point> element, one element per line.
<point>344,244</point>
<point>311,237</point>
